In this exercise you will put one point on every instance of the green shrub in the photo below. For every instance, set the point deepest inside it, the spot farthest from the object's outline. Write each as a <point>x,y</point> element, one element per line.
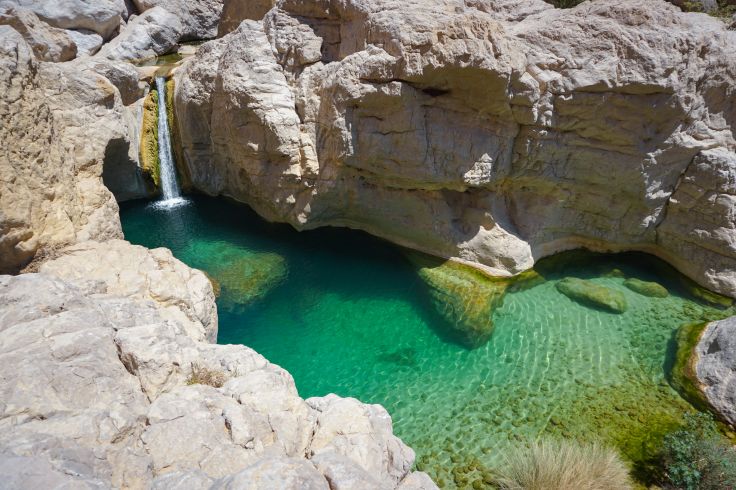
<point>697,457</point>
<point>563,465</point>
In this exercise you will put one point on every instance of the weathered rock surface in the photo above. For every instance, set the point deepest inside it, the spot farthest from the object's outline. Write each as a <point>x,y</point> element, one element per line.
<point>95,390</point>
<point>88,42</point>
<point>236,11</point>
<point>101,16</point>
<point>48,43</point>
<point>591,294</point>
<point>493,132</point>
<point>155,32</point>
<point>199,18</point>
<point>715,367</point>
<point>184,294</point>
<point>62,122</point>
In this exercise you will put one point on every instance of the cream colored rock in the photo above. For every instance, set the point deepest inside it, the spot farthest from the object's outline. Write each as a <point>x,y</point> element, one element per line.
<point>132,271</point>
<point>48,43</point>
<point>62,122</point>
<point>101,16</point>
<point>199,18</point>
<point>236,11</point>
<point>494,133</point>
<point>153,33</point>
<point>98,390</point>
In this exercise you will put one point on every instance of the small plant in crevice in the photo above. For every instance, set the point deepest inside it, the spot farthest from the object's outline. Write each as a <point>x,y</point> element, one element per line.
<point>203,375</point>
<point>562,465</point>
<point>698,457</point>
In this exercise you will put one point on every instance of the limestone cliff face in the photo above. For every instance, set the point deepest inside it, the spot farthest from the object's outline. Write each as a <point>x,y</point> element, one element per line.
<point>60,123</point>
<point>492,132</point>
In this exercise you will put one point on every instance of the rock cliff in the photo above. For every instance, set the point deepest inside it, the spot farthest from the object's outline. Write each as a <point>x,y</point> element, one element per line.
<point>491,132</point>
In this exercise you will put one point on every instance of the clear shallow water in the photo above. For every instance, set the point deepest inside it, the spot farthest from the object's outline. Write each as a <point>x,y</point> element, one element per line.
<point>347,313</point>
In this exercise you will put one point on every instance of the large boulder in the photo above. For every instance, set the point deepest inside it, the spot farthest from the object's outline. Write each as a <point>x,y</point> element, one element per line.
<point>48,43</point>
<point>101,16</point>
<point>153,33</point>
<point>493,132</point>
<point>199,18</point>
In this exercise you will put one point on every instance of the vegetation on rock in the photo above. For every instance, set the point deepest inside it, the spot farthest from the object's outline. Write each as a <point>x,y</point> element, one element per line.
<point>697,457</point>
<point>647,288</point>
<point>202,375</point>
<point>683,376</point>
<point>185,180</point>
<point>464,296</point>
<point>563,465</point>
<point>149,139</point>
<point>591,294</point>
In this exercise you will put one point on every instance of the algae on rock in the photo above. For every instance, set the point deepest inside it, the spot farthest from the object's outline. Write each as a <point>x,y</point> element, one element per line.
<point>149,160</point>
<point>463,295</point>
<point>683,376</point>
<point>589,293</point>
<point>646,288</point>
<point>243,276</point>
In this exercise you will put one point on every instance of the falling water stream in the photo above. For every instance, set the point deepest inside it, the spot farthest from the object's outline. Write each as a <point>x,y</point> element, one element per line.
<point>169,185</point>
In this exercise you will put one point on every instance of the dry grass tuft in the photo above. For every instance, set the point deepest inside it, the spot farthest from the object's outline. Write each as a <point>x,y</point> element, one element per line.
<point>202,375</point>
<point>564,465</point>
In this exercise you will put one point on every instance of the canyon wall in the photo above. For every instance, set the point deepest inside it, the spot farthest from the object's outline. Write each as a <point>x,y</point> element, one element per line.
<point>495,133</point>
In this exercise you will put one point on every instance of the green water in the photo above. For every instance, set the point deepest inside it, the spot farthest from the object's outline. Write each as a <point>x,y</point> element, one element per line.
<point>347,313</point>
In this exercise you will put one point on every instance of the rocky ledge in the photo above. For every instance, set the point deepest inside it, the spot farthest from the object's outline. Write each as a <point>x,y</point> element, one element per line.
<point>493,132</point>
<point>107,380</point>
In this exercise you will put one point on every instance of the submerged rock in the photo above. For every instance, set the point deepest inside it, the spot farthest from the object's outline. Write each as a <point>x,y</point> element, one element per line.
<point>244,276</point>
<point>463,296</point>
<point>647,288</point>
<point>589,293</point>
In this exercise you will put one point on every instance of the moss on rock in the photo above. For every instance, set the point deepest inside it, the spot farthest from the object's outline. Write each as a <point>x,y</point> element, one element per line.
<point>465,297</point>
<point>149,160</point>
<point>591,294</point>
<point>646,288</point>
<point>683,377</point>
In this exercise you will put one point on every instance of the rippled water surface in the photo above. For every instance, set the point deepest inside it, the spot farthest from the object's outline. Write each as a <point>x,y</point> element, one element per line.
<point>347,313</point>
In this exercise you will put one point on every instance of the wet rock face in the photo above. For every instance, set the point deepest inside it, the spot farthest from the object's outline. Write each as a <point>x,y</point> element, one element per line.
<point>496,132</point>
<point>99,388</point>
<point>715,367</point>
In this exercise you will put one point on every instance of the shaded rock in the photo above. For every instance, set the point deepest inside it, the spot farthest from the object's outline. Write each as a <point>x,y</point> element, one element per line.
<point>101,16</point>
<point>646,288</point>
<point>431,124</point>
<point>589,293</point>
<point>48,43</point>
<point>87,42</point>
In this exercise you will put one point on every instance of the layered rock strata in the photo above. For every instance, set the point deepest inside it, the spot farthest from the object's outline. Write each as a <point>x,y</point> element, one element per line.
<point>98,390</point>
<point>495,133</point>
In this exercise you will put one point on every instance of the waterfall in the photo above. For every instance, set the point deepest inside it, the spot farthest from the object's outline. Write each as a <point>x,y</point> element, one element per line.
<point>167,168</point>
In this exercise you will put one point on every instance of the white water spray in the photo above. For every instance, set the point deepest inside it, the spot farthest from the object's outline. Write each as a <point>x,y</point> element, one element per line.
<point>167,169</point>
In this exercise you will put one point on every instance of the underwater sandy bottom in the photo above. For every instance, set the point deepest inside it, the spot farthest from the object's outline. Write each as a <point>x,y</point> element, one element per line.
<point>346,313</point>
